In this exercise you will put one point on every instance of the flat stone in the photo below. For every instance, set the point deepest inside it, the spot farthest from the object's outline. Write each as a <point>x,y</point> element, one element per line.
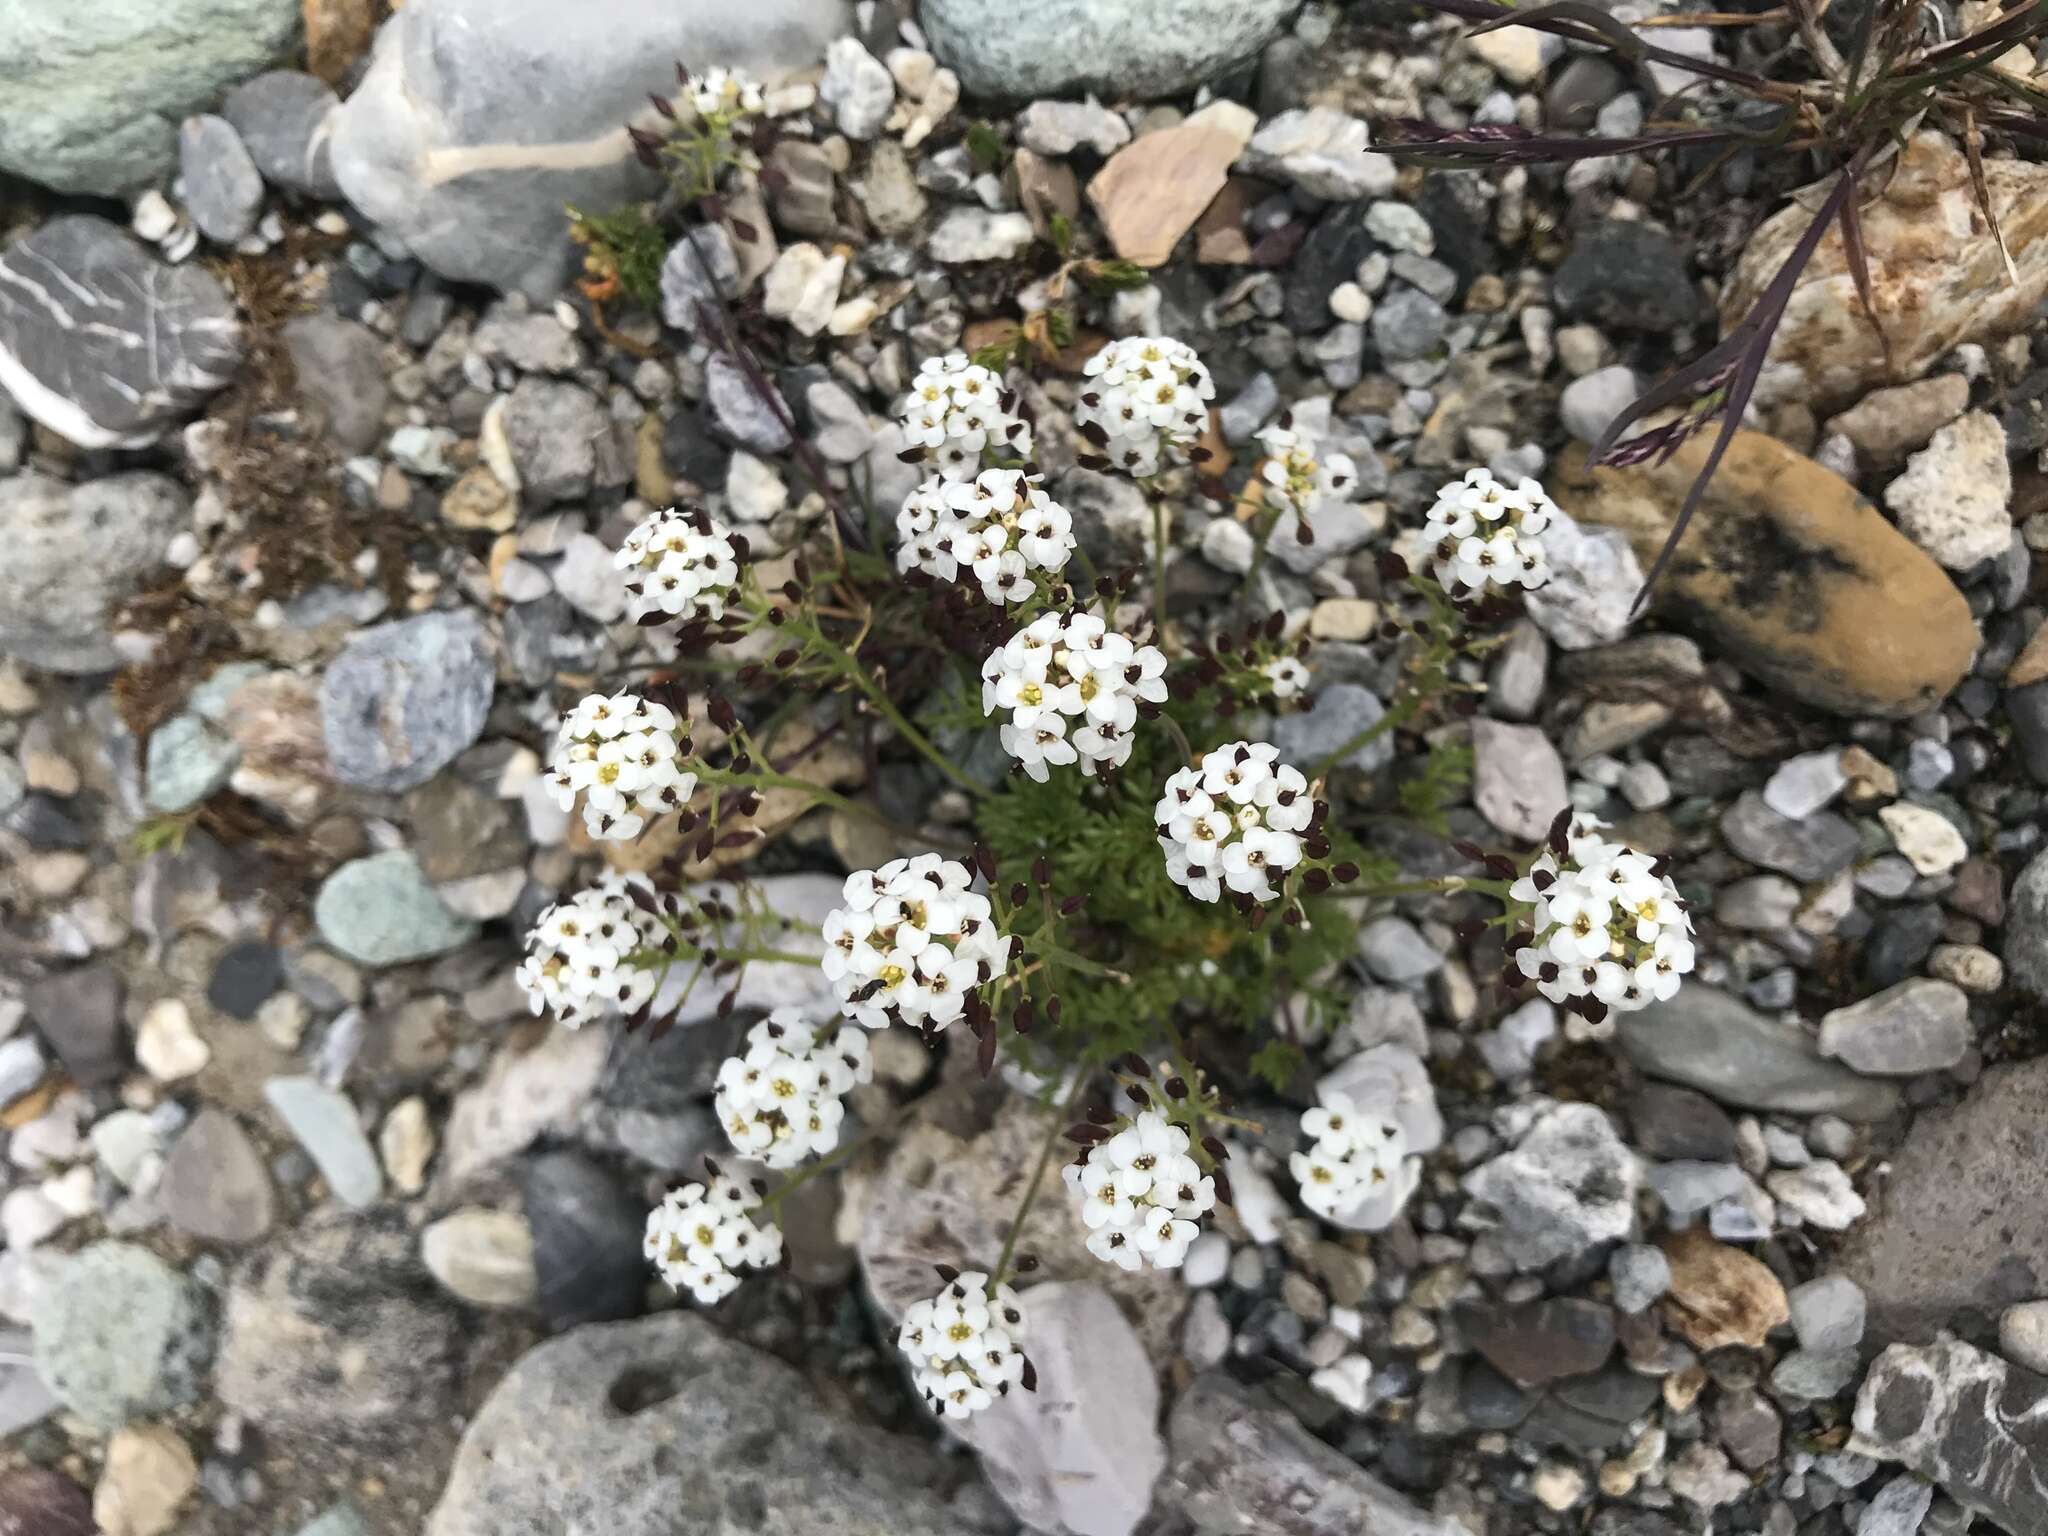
<point>1590,597</point>
<point>1790,574</point>
<point>325,1123</point>
<point>1827,1313</point>
<point>104,343</point>
<point>523,1095</point>
<point>1541,1341</point>
<point>1150,193</point>
<point>1705,1039</point>
<point>1821,845</point>
<point>339,369</point>
<point>1965,1419</point>
<point>34,1501</point>
<point>1322,151</point>
<point>1918,1026</point>
<point>1624,273</point>
<point>215,1185</point>
<point>565,1441</point>
<point>587,1257</point>
<point>1887,424</point>
<point>1341,711</point>
<point>1678,1123</point>
<point>223,191</point>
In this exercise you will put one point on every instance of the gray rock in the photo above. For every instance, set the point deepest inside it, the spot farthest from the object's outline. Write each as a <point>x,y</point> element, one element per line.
<point>1918,1026</point>
<point>1239,1465</point>
<point>734,1438</point>
<point>1811,849</point>
<point>404,699</point>
<point>1340,712</point>
<point>1959,1231</point>
<point>1628,274</point>
<point>1058,128</point>
<point>1807,783</point>
<point>1518,779</point>
<point>533,341</point>
<point>120,1335</point>
<point>35,1501</point>
<point>1687,1187</point>
<point>94,95</point>
<point>1323,152</point>
<point>857,88</point>
<point>380,910</point>
<point>479,120</point>
<point>1898,1509</point>
<point>1082,1452</point>
<point>1640,1274</point>
<point>79,1014</point>
<point>1568,1185</point>
<point>1408,324</point>
<point>223,191</point>
<point>2026,926</point>
<point>587,1230</point>
<point>340,370</point>
<point>1592,589</point>
<point>1394,949</point>
<point>1967,1420</point>
<point>741,412</point>
<point>1588,404</point>
<point>284,119</point>
<point>325,1123</point>
<point>214,1184</point>
<point>553,428</point>
<point>104,343</point>
<point>337,1335</point>
<point>1126,49</point>
<point>1749,1427</point>
<point>2023,1335</point>
<point>21,1067</point>
<point>697,272</point>
<point>1764,903</point>
<point>1827,1313</point>
<point>188,758</point>
<point>1708,1040</point>
<point>978,234</point>
<point>1535,1342</point>
<point>74,554</point>
<point>1815,1375</point>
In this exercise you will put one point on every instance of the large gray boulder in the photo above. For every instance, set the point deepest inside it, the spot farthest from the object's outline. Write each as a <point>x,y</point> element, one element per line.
<point>1120,48</point>
<point>666,1425</point>
<point>101,341</point>
<point>94,93</point>
<point>1965,1419</point>
<point>73,553</point>
<point>480,119</point>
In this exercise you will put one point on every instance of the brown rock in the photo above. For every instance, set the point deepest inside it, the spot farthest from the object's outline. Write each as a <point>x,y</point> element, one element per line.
<point>1044,188</point>
<point>1220,238</point>
<point>1720,1295</point>
<point>479,500</point>
<point>35,1501</point>
<point>1935,271</point>
<point>1795,577</point>
<point>337,34</point>
<point>1887,424</point>
<point>1153,190</point>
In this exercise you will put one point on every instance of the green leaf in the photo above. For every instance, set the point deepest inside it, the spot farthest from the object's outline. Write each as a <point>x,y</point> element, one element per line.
<point>1060,326</point>
<point>984,146</point>
<point>1112,276</point>
<point>1430,793</point>
<point>1062,233</point>
<point>999,355</point>
<point>1276,1062</point>
<point>631,242</point>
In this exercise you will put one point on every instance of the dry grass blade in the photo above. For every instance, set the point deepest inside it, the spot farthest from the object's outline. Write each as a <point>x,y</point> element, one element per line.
<point>1973,148</point>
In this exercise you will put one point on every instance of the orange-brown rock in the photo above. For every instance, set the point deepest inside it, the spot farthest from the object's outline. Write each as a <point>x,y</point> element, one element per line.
<point>1791,574</point>
<point>1153,190</point>
<point>1935,270</point>
<point>1719,1295</point>
<point>338,33</point>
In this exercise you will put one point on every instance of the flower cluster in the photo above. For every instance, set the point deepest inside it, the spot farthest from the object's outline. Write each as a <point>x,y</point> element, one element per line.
<point>578,956</point>
<point>723,93</point>
<point>1295,477</point>
<point>1066,670</point>
<point>626,757</point>
<point>957,411</point>
<point>963,1345</point>
<point>1481,536</point>
<point>1141,1194</point>
<point>1000,525</point>
<point>700,1236</point>
<point>1355,1157</point>
<point>779,1100</point>
<point>1150,396</point>
<point>911,943</point>
<point>1234,819</point>
<point>683,564</point>
<point>1609,929</point>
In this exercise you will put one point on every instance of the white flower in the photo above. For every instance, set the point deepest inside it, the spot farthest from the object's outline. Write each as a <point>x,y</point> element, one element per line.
<point>964,1345</point>
<point>1142,1194</point>
<point>700,1236</point>
<point>1235,819</point>
<point>1072,690</point>
<point>1149,395</point>
<point>682,564</point>
<point>577,954</point>
<point>779,1099</point>
<point>1607,930</point>
<point>1481,537</point>
<point>1356,1155</point>
<point>958,412</point>
<point>721,92</point>
<point>1296,477</point>
<point>625,756</point>
<point>911,943</point>
<point>1000,525</point>
<point>1286,676</point>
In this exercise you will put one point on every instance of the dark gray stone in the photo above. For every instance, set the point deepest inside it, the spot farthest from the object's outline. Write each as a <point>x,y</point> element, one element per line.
<point>1679,1123</point>
<point>1899,941</point>
<point>586,1241</point>
<point>1488,1400</point>
<point>1708,1040</point>
<point>34,1501</point>
<point>666,1425</point>
<point>74,555</point>
<point>243,978</point>
<point>1627,275</point>
<point>223,191</point>
<point>1966,1419</point>
<point>103,342</point>
<point>1749,1427</point>
<point>1809,849</point>
<point>282,116</point>
<point>340,370</point>
<point>79,1013</point>
<point>1922,1025</point>
<point>2026,928</point>
<point>405,698</point>
<point>1542,1341</point>
<point>1328,258</point>
<point>1407,324</point>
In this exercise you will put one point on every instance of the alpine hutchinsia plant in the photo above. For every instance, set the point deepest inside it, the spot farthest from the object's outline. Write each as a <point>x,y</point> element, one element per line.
<point>1115,890</point>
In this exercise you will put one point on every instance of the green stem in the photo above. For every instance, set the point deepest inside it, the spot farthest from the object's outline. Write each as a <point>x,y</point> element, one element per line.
<point>910,733</point>
<point>1403,710</point>
<point>833,1159</point>
<point>1159,570</point>
<point>1052,1136</point>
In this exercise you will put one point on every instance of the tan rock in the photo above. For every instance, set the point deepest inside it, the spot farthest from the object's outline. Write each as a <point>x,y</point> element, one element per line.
<point>275,720</point>
<point>1720,1296</point>
<point>479,500</point>
<point>1153,190</point>
<point>338,33</point>
<point>1044,188</point>
<point>149,1473</point>
<point>1936,274</point>
<point>1887,424</point>
<point>1795,577</point>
